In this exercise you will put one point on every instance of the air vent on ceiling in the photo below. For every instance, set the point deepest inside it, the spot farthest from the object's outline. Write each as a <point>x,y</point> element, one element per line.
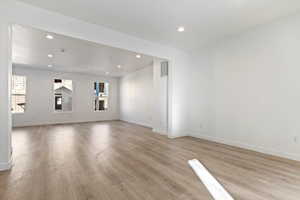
<point>164,68</point>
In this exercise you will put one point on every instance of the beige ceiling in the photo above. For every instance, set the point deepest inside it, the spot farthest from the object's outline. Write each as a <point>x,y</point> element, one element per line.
<point>156,20</point>
<point>31,49</point>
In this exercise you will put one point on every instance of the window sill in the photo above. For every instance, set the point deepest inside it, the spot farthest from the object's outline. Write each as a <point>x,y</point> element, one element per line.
<point>63,112</point>
<point>100,111</point>
<point>18,113</point>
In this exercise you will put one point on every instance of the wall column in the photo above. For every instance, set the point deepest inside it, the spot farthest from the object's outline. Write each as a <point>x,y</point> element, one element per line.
<point>5,80</point>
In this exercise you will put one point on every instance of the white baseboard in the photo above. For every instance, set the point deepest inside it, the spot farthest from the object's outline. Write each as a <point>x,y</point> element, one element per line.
<point>160,131</point>
<point>6,166</point>
<point>21,125</point>
<point>174,137</point>
<point>272,152</point>
<point>178,134</point>
<point>136,122</point>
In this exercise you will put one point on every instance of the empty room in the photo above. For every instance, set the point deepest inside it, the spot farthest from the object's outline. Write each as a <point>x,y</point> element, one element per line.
<point>131,100</point>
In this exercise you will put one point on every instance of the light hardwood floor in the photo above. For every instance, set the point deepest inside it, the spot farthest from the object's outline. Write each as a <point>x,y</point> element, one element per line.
<point>121,161</point>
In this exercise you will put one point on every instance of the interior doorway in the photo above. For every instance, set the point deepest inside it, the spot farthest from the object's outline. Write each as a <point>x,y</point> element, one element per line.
<point>53,73</point>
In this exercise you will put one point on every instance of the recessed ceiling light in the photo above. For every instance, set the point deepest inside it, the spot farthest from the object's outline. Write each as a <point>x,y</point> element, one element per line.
<point>50,65</point>
<point>50,55</point>
<point>106,73</point>
<point>180,29</point>
<point>138,56</point>
<point>50,37</point>
<point>119,66</point>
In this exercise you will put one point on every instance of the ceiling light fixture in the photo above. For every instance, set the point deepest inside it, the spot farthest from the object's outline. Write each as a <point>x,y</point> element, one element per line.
<point>180,29</point>
<point>50,55</point>
<point>50,37</point>
<point>106,73</point>
<point>138,56</point>
<point>50,65</point>
<point>119,66</point>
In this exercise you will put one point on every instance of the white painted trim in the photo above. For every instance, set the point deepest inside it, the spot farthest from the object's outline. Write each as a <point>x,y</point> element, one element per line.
<point>6,166</point>
<point>61,123</point>
<point>177,134</point>
<point>173,137</point>
<point>213,186</point>
<point>161,131</point>
<point>169,101</point>
<point>272,152</point>
<point>136,122</point>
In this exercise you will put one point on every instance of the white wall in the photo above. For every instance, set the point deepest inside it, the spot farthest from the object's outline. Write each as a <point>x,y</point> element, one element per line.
<point>254,79</point>
<point>136,97</point>
<point>201,109</point>
<point>144,98</point>
<point>40,98</point>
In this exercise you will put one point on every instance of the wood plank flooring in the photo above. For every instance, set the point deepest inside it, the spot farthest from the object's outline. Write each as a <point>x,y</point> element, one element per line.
<point>121,161</point>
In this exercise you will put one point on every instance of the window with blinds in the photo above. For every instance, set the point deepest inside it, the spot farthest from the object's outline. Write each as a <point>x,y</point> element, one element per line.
<point>18,97</point>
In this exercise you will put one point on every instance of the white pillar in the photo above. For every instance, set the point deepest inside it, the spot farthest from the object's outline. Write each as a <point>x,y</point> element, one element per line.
<point>5,82</point>
<point>160,99</point>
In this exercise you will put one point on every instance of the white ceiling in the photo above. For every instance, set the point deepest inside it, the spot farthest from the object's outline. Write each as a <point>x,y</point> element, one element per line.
<point>156,20</point>
<point>31,49</point>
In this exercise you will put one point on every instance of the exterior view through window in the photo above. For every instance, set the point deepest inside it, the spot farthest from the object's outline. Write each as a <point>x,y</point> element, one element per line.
<point>101,91</point>
<point>18,97</point>
<point>63,92</point>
